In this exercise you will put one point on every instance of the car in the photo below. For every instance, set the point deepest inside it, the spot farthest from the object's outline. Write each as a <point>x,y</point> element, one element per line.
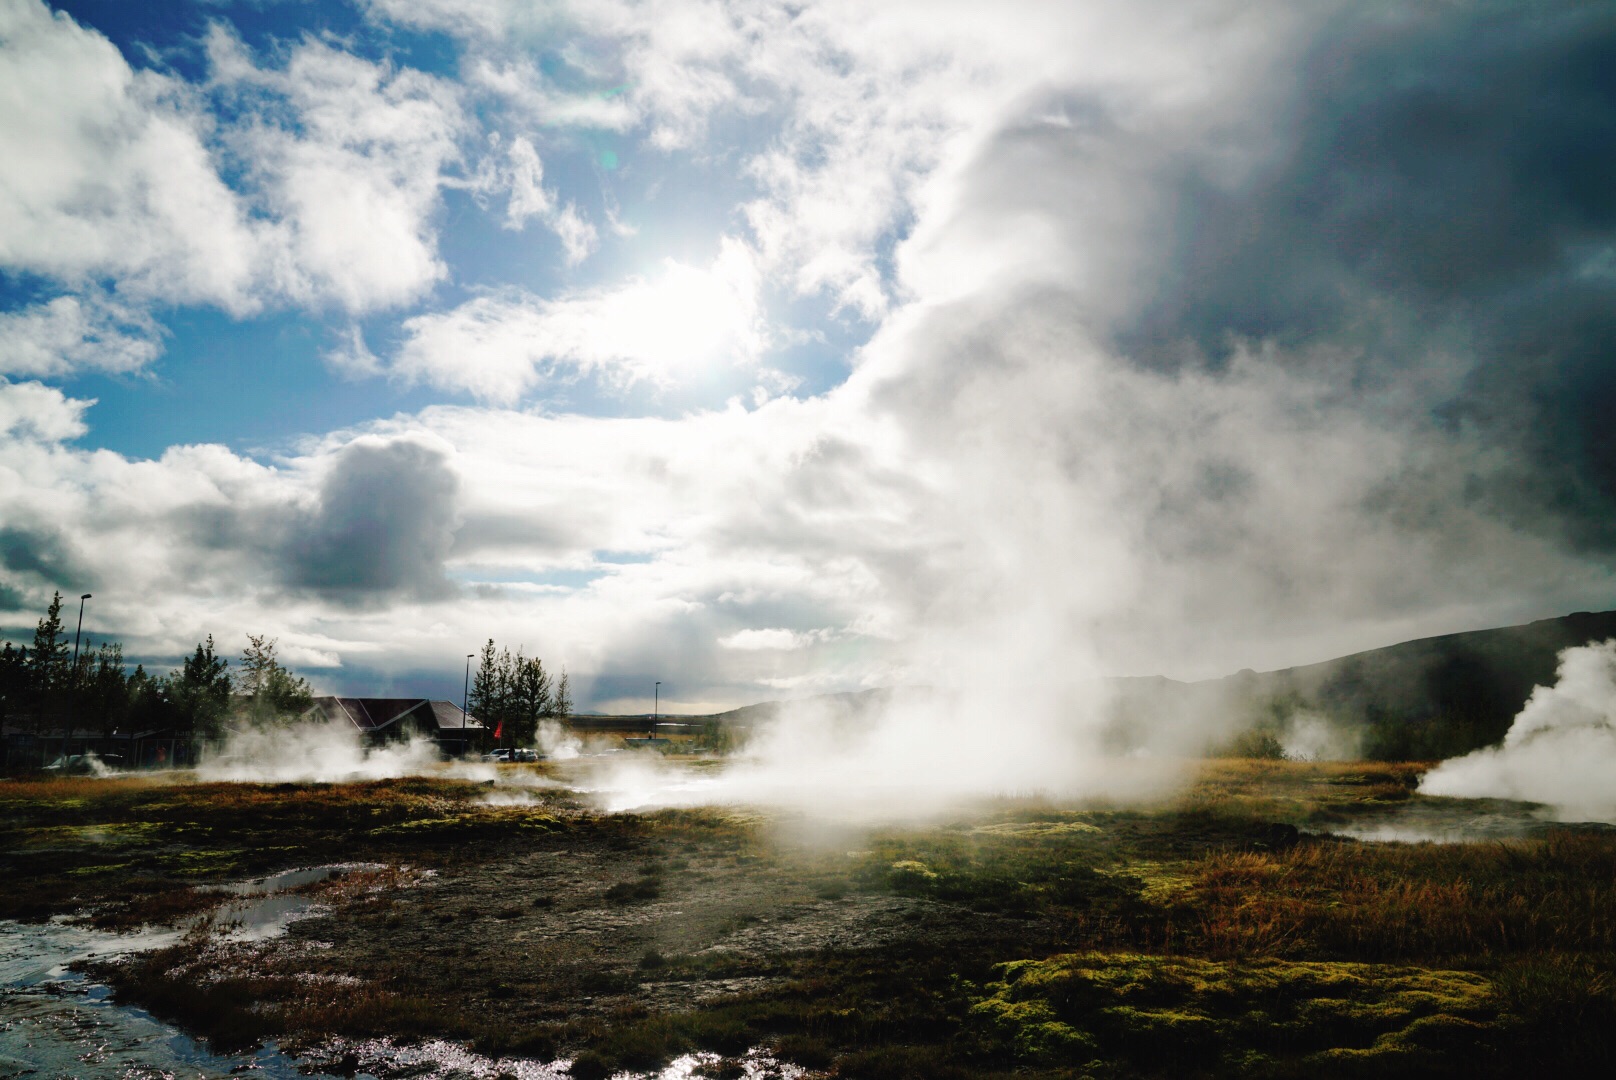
<point>84,764</point>
<point>506,753</point>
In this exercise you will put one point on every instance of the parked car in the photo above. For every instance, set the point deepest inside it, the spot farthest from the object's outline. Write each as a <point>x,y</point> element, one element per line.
<point>84,764</point>
<point>513,754</point>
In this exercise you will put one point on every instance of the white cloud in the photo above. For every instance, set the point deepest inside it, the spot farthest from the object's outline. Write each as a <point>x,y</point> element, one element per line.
<point>867,113</point>
<point>499,347</point>
<point>355,176</point>
<point>1000,495</point>
<point>109,174</point>
<point>529,198</point>
<point>203,540</point>
<point>528,195</point>
<point>71,333</point>
<point>577,235</point>
<point>775,638</point>
<point>105,171</point>
<point>32,410</point>
<point>537,102</point>
<point>352,357</point>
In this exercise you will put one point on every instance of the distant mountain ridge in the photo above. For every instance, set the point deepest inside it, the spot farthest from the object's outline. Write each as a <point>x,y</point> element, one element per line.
<point>849,704</point>
<point>1428,698</point>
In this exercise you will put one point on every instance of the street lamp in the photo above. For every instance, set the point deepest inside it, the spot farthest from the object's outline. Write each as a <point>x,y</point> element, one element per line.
<point>465,696</point>
<point>67,728</point>
<point>656,702</point>
<point>76,634</point>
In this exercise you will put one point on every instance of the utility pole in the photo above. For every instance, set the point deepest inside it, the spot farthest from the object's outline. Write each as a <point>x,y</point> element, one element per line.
<point>465,702</point>
<point>656,703</point>
<point>73,706</point>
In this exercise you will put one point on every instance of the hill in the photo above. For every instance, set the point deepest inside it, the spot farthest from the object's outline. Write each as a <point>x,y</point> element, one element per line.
<point>1424,699</point>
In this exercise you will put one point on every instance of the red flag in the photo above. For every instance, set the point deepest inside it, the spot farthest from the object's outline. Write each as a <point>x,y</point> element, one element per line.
<point>499,729</point>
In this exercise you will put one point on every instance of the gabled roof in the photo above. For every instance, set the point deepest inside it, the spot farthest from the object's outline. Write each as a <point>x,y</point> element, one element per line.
<point>375,714</point>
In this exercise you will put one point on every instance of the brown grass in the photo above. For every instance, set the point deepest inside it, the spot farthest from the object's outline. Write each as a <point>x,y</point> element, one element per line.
<point>1403,901</point>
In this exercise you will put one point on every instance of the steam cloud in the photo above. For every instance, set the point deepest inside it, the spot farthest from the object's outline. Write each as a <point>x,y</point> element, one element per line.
<point>915,755</point>
<point>322,753</point>
<point>1560,751</point>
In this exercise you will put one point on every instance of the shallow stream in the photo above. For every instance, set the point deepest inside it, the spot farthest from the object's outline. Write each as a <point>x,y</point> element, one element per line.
<point>55,1024</point>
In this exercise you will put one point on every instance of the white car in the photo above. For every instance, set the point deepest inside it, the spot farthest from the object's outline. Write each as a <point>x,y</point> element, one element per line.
<point>506,753</point>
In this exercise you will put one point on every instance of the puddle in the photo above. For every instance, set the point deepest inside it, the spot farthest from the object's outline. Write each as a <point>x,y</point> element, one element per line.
<point>438,1060</point>
<point>287,880</point>
<point>1458,821</point>
<point>56,1023</point>
<point>265,907</point>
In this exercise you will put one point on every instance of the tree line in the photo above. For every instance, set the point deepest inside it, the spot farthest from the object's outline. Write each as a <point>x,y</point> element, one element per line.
<point>42,687</point>
<point>511,694</point>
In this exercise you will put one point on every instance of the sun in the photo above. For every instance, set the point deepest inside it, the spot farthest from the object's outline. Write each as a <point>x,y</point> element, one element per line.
<point>687,317</point>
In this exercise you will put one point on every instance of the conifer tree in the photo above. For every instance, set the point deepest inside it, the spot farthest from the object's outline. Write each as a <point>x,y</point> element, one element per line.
<point>199,692</point>
<point>272,691</point>
<point>49,661</point>
<point>561,704</point>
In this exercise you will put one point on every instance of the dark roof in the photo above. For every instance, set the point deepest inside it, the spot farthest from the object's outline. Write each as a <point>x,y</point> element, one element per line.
<point>373,714</point>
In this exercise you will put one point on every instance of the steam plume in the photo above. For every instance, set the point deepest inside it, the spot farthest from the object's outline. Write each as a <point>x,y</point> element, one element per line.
<point>321,753</point>
<point>1561,749</point>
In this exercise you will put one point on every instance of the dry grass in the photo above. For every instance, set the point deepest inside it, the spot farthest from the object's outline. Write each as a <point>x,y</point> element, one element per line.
<point>1407,901</point>
<point>1198,936</point>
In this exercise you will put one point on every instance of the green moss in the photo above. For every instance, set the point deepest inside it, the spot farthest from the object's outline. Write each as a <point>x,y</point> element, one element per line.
<point>1037,829</point>
<point>105,868</point>
<point>1168,1011</point>
<point>472,822</point>
<point>202,863</point>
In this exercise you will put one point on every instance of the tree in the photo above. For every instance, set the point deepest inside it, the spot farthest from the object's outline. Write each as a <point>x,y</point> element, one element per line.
<point>510,693</point>
<point>271,690</point>
<point>14,695</point>
<point>561,704</point>
<point>199,692</point>
<point>485,689</point>
<point>103,688</point>
<point>48,674</point>
<point>49,661</point>
<point>529,697</point>
<point>149,707</point>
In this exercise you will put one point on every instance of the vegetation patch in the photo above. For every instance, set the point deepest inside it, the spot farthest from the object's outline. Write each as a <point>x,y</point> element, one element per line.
<point>1183,1013</point>
<point>1203,935</point>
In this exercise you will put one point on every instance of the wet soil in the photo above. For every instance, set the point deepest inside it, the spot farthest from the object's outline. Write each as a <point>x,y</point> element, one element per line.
<point>537,928</point>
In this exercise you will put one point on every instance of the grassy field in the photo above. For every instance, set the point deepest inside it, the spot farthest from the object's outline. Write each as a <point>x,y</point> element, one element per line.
<point>1220,933</point>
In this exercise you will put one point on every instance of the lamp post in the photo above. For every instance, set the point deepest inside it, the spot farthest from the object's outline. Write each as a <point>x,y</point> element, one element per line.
<point>67,728</point>
<point>76,636</point>
<point>465,697</point>
<point>656,702</point>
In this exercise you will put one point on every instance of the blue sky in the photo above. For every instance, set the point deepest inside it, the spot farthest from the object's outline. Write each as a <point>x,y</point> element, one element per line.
<point>256,382</point>
<point>771,349</point>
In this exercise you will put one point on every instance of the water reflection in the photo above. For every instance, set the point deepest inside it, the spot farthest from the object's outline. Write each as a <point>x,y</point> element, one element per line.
<point>56,1024</point>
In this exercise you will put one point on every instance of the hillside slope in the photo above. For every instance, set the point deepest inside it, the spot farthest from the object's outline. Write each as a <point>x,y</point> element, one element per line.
<point>1428,698</point>
<point>1418,700</point>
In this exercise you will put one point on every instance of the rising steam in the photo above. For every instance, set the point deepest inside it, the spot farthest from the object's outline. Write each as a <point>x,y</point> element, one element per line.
<point>321,753</point>
<point>1560,751</point>
<point>911,755</point>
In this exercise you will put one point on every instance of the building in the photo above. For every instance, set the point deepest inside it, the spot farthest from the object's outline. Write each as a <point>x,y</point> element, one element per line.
<point>25,745</point>
<point>382,720</point>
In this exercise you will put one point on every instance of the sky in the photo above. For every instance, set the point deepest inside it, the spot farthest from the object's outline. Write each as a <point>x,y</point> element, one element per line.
<point>775,349</point>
